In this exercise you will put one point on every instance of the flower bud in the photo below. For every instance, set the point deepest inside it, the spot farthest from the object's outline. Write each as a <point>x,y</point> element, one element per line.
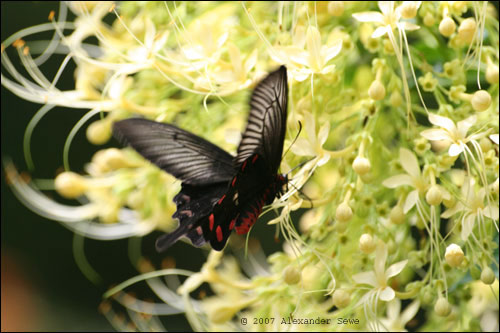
<point>343,212</point>
<point>341,298</point>
<point>442,307</point>
<point>70,185</point>
<point>447,26</point>
<point>366,243</point>
<point>397,215</point>
<point>429,20</point>
<point>466,30</point>
<point>481,100</point>
<point>492,73</point>
<point>487,276</point>
<point>311,276</point>
<point>434,196</point>
<point>376,90</point>
<point>336,8</point>
<point>485,144</point>
<point>361,165</point>
<point>99,132</point>
<point>454,255</point>
<point>291,275</point>
<point>109,213</point>
<point>409,9</point>
<point>114,159</point>
<point>396,99</point>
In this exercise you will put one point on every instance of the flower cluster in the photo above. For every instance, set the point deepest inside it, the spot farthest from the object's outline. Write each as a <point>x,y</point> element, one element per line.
<point>397,212</point>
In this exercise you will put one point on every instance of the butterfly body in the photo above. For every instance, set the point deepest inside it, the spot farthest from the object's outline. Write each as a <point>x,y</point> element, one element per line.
<point>219,193</point>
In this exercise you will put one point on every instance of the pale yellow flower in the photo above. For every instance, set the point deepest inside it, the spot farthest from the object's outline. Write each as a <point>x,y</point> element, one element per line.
<point>379,277</point>
<point>307,56</point>
<point>397,320</point>
<point>472,207</point>
<point>413,178</point>
<point>388,19</point>
<point>313,145</point>
<point>456,135</point>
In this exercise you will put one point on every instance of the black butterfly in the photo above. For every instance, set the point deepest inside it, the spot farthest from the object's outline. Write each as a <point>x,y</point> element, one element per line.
<point>219,192</point>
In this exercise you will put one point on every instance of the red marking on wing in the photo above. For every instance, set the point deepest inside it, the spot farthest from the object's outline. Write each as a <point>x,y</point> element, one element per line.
<point>231,225</point>
<point>244,165</point>
<point>248,221</point>
<point>233,182</point>
<point>219,233</point>
<point>254,159</point>
<point>221,199</point>
<point>211,220</point>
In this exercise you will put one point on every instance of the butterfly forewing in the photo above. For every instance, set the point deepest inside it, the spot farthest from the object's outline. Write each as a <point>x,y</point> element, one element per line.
<point>182,154</point>
<point>265,131</point>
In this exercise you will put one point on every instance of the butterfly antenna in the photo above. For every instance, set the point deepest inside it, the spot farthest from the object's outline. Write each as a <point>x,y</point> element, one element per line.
<point>303,194</point>
<point>299,165</point>
<point>300,129</point>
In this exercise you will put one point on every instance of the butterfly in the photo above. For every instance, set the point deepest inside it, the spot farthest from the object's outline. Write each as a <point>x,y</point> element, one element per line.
<point>219,193</point>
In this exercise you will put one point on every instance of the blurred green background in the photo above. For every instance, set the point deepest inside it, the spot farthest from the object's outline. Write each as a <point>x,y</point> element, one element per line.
<point>42,287</point>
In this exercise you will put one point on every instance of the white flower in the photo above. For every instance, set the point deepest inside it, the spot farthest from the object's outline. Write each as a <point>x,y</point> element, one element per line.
<point>451,133</point>
<point>379,277</point>
<point>413,178</point>
<point>388,19</point>
<point>472,207</point>
<point>395,320</point>
<point>313,145</point>
<point>313,61</point>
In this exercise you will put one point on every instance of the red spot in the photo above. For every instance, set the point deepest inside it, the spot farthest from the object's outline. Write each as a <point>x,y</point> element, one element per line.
<point>233,182</point>
<point>199,231</point>
<point>231,225</point>
<point>220,200</point>
<point>255,158</point>
<point>219,233</point>
<point>244,165</point>
<point>211,220</point>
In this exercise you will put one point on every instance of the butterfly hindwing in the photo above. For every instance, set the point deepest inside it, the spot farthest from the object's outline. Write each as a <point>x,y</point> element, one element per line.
<point>194,204</point>
<point>184,155</point>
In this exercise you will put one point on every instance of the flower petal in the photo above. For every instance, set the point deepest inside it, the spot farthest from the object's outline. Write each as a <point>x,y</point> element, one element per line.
<point>455,149</point>
<point>369,17</point>
<point>411,200</point>
<point>395,269</point>
<point>491,211</point>
<point>410,312</point>
<point>467,225</point>
<point>398,180</point>
<point>464,125</point>
<point>302,147</point>
<point>386,7</point>
<point>452,211</point>
<point>380,31</point>
<point>443,122</point>
<point>365,278</point>
<point>380,259</point>
<point>329,52</point>
<point>323,133</point>
<point>494,138</point>
<point>387,294</point>
<point>409,162</point>
<point>436,134</point>
<point>314,47</point>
